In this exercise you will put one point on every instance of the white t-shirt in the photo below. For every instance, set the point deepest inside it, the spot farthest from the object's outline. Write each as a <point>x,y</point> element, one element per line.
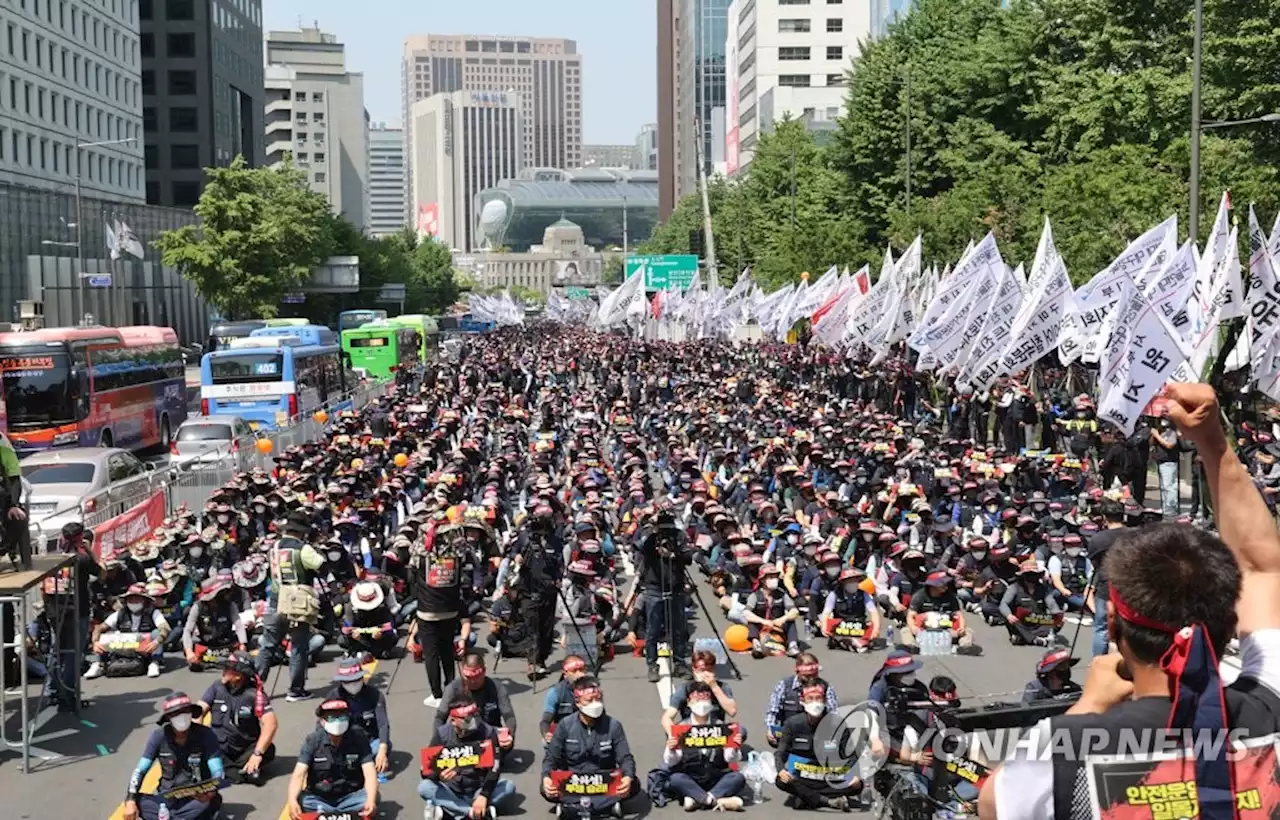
<point>1024,788</point>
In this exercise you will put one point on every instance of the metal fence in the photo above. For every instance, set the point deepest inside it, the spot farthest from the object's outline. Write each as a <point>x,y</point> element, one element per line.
<point>191,485</point>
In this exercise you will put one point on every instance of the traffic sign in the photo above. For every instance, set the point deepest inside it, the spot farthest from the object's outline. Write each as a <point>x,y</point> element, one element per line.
<point>577,294</point>
<point>392,293</point>
<point>665,272</point>
<point>99,280</point>
<point>293,299</point>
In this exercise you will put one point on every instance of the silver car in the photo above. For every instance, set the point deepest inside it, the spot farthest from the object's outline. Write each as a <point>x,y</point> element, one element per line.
<point>204,442</point>
<point>77,483</point>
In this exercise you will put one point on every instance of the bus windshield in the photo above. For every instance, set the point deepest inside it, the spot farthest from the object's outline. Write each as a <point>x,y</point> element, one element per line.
<point>37,388</point>
<point>247,367</point>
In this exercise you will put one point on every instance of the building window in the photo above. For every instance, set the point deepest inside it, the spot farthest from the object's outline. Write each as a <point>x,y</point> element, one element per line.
<point>184,119</point>
<point>147,44</point>
<point>299,96</point>
<point>151,156</point>
<point>153,193</point>
<point>186,193</point>
<point>181,45</point>
<point>835,52</point>
<point>835,25</point>
<point>300,116</point>
<point>148,82</point>
<point>144,9</point>
<point>793,53</point>
<point>184,156</point>
<point>835,79</point>
<point>182,82</point>
<point>318,116</point>
<point>317,96</point>
<point>320,176</point>
<point>180,9</point>
<point>794,80</point>
<point>793,26</point>
<point>320,156</point>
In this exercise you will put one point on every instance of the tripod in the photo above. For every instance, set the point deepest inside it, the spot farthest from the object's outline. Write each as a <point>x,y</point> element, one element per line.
<point>737,673</point>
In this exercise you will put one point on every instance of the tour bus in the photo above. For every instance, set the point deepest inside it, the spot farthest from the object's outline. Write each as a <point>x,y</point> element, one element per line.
<point>382,348</point>
<point>115,387</point>
<point>425,325</point>
<point>275,374</point>
<point>351,319</point>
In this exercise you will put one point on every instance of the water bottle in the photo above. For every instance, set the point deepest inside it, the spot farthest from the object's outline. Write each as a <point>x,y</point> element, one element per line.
<point>757,791</point>
<point>163,813</point>
<point>889,637</point>
<point>711,645</point>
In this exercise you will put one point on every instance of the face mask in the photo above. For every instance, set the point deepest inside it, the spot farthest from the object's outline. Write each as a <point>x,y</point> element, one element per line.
<point>334,555</point>
<point>814,708</point>
<point>195,552</point>
<point>180,723</point>
<point>353,687</point>
<point>701,708</point>
<point>771,584</point>
<point>135,606</point>
<point>979,555</point>
<point>832,571</point>
<point>992,508</point>
<point>1073,552</point>
<point>850,589</point>
<point>336,726</point>
<point>259,508</point>
<point>810,551</point>
<point>222,519</point>
<point>908,679</point>
<point>1056,515</point>
<point>793,539</point>
<point>593,710</point>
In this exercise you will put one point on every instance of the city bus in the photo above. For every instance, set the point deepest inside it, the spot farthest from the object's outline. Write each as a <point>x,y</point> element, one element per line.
<point>351,319</point>
<point>275,375</point>
<point>381,349</point>
<point>287,322</point>
<point>222,333</point>
<point>425,325</point>
<point>114,387</point>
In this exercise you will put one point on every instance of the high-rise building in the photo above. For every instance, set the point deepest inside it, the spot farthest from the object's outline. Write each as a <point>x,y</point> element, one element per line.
<point>787,58</point>
<point>669,156</point>
<point>69,75</point>
<point>885,12</point>
<point>462,143</point>
<point>647,148</point>
<point>702,29</point>
<point>543,74</point>
<point>609,156</point>
<point>315,111</point>
<point>386,180</point>
<point>202,92</point>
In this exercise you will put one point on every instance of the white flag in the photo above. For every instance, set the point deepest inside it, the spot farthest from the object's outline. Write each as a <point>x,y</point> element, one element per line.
<point>113,240</point>
<point>1035,330</point>
<point>128,241</point>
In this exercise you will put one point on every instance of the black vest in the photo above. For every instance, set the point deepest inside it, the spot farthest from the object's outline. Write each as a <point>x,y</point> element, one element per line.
<point>215,625</point>
<point>186,765</point>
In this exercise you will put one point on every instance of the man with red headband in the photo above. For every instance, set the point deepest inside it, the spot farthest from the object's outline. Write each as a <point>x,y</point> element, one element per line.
<point>590,743</point>
<point>1169,610</point>
<point>558,703</point>
<point>474,792</point>
<point>785,701</point>
<point>490,696</point>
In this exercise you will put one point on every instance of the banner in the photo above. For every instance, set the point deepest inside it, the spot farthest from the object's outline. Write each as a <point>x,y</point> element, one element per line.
<point>711,736</point>
<point>967,271</point>
<point>459,756</point>
<point>994,335</point>
<point>1038,324</point>
<point>130,527</point>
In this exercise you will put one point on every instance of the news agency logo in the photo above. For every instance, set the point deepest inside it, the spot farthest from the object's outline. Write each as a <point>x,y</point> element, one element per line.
<point>854,739</point>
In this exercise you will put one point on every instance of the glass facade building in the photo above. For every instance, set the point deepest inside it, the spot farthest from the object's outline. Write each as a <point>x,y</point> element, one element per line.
<point>711,28</point>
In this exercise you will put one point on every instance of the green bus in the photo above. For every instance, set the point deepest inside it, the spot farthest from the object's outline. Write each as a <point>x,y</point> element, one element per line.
<point>381,349</point>
<point>425,325</point>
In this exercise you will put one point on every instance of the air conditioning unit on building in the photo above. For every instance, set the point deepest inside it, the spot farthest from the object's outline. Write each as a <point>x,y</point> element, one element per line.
<point>31,314</point>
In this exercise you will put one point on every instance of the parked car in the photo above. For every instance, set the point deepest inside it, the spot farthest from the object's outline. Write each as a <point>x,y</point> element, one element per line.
<point>71,483</point>
<point>208,442</point>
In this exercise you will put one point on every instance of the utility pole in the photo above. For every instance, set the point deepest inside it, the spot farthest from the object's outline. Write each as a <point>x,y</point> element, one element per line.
<point>713,273</point>
<point>908,180</point>
<point>1197,49</point>
<point>793,201</point>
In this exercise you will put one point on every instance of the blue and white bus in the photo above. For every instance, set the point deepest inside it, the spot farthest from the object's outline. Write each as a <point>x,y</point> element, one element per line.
<point>273,375</point>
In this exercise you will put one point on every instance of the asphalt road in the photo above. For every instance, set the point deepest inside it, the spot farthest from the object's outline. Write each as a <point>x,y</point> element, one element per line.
<point>89,780</point>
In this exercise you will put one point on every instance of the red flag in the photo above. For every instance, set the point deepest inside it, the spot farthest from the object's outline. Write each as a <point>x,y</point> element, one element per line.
<point>828,305</point>
<point>655,305</point>
<point>863,281</point>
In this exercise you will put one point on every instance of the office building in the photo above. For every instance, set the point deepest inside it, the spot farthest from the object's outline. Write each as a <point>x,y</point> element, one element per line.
<point>886,12</point>
<point>69,75</point>
<point>702,28</point>
<point>543,74</point>
<point>202,92</point>
<point>462,142</point>
<point>315,112</point>
<point>670,159</point>
<point>787,58</point>
<point>386,180</point>
<point>609,156</point>
<point>647,148</point>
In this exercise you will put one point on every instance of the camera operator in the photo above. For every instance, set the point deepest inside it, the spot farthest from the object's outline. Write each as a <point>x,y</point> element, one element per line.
<point>1169,586</point>
<point>540,558</point>
<point>664,555</point>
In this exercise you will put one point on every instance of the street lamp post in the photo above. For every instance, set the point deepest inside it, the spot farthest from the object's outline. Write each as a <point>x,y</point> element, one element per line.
<point>1197,49</point>
<point>80,271</point>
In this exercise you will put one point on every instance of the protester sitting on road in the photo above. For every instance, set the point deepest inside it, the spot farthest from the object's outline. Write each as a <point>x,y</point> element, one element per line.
<point>559,703</point>
<point>138,615</point>
<point>335,771</point>
<point>213,623</point>
<point>188,755</point>
<point>796,752</point>
<point>590,743</point>
<point>771,609</point>
<point>458,791</point>
<point>490,696</point>
<point>785,701</point>
<point>723,707</point>
<point>367,706</point>
<point>1053,677</point>
<point>938,596</point>
<point>702,775</point>
<point>242,717</point>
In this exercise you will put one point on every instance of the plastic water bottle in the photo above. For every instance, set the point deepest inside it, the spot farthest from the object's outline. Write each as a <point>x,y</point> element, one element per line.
<point>163,813</point>
<point>889,637</point>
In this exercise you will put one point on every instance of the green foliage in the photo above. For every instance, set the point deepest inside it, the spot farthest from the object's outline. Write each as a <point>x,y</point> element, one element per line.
<point>1078,109</point>
<point>261,232</point>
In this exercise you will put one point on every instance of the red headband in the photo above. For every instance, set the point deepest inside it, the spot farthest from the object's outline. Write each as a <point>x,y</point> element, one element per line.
<point>463,711</point>
<point>806,669</point>
<point>1131,615</point>
<point>590,691</point>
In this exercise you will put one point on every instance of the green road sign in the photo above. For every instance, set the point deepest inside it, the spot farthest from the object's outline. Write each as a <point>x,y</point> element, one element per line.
<point>664,272</point>
<point>577,294</point>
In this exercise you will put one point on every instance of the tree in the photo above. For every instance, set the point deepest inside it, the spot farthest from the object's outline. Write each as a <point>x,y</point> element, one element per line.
<point>431,287</point>
<point>261,232</point>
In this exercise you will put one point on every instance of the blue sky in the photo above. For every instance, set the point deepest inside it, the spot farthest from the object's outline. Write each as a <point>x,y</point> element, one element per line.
<point>617,38</point>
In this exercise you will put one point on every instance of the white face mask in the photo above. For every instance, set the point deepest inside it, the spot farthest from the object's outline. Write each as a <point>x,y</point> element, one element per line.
<point>1056,515</point>
<point>814,708</point>
<point>701,708</point>
<point>222,519</point>
<point>771,584</point>
<point>850,589</point>
<point>979,555</point>
<point>260,508</point>
<point>334,555</point>
<point>593,709</point>
<point>1073,552</point>
<point>180,723</point>
<point>336,726</point>
<point>353,687</point>
<point>833,572</point>
<point>195,552</point>
<point>135,606</point>
<point>908,679</point>
<point>793,539</point>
